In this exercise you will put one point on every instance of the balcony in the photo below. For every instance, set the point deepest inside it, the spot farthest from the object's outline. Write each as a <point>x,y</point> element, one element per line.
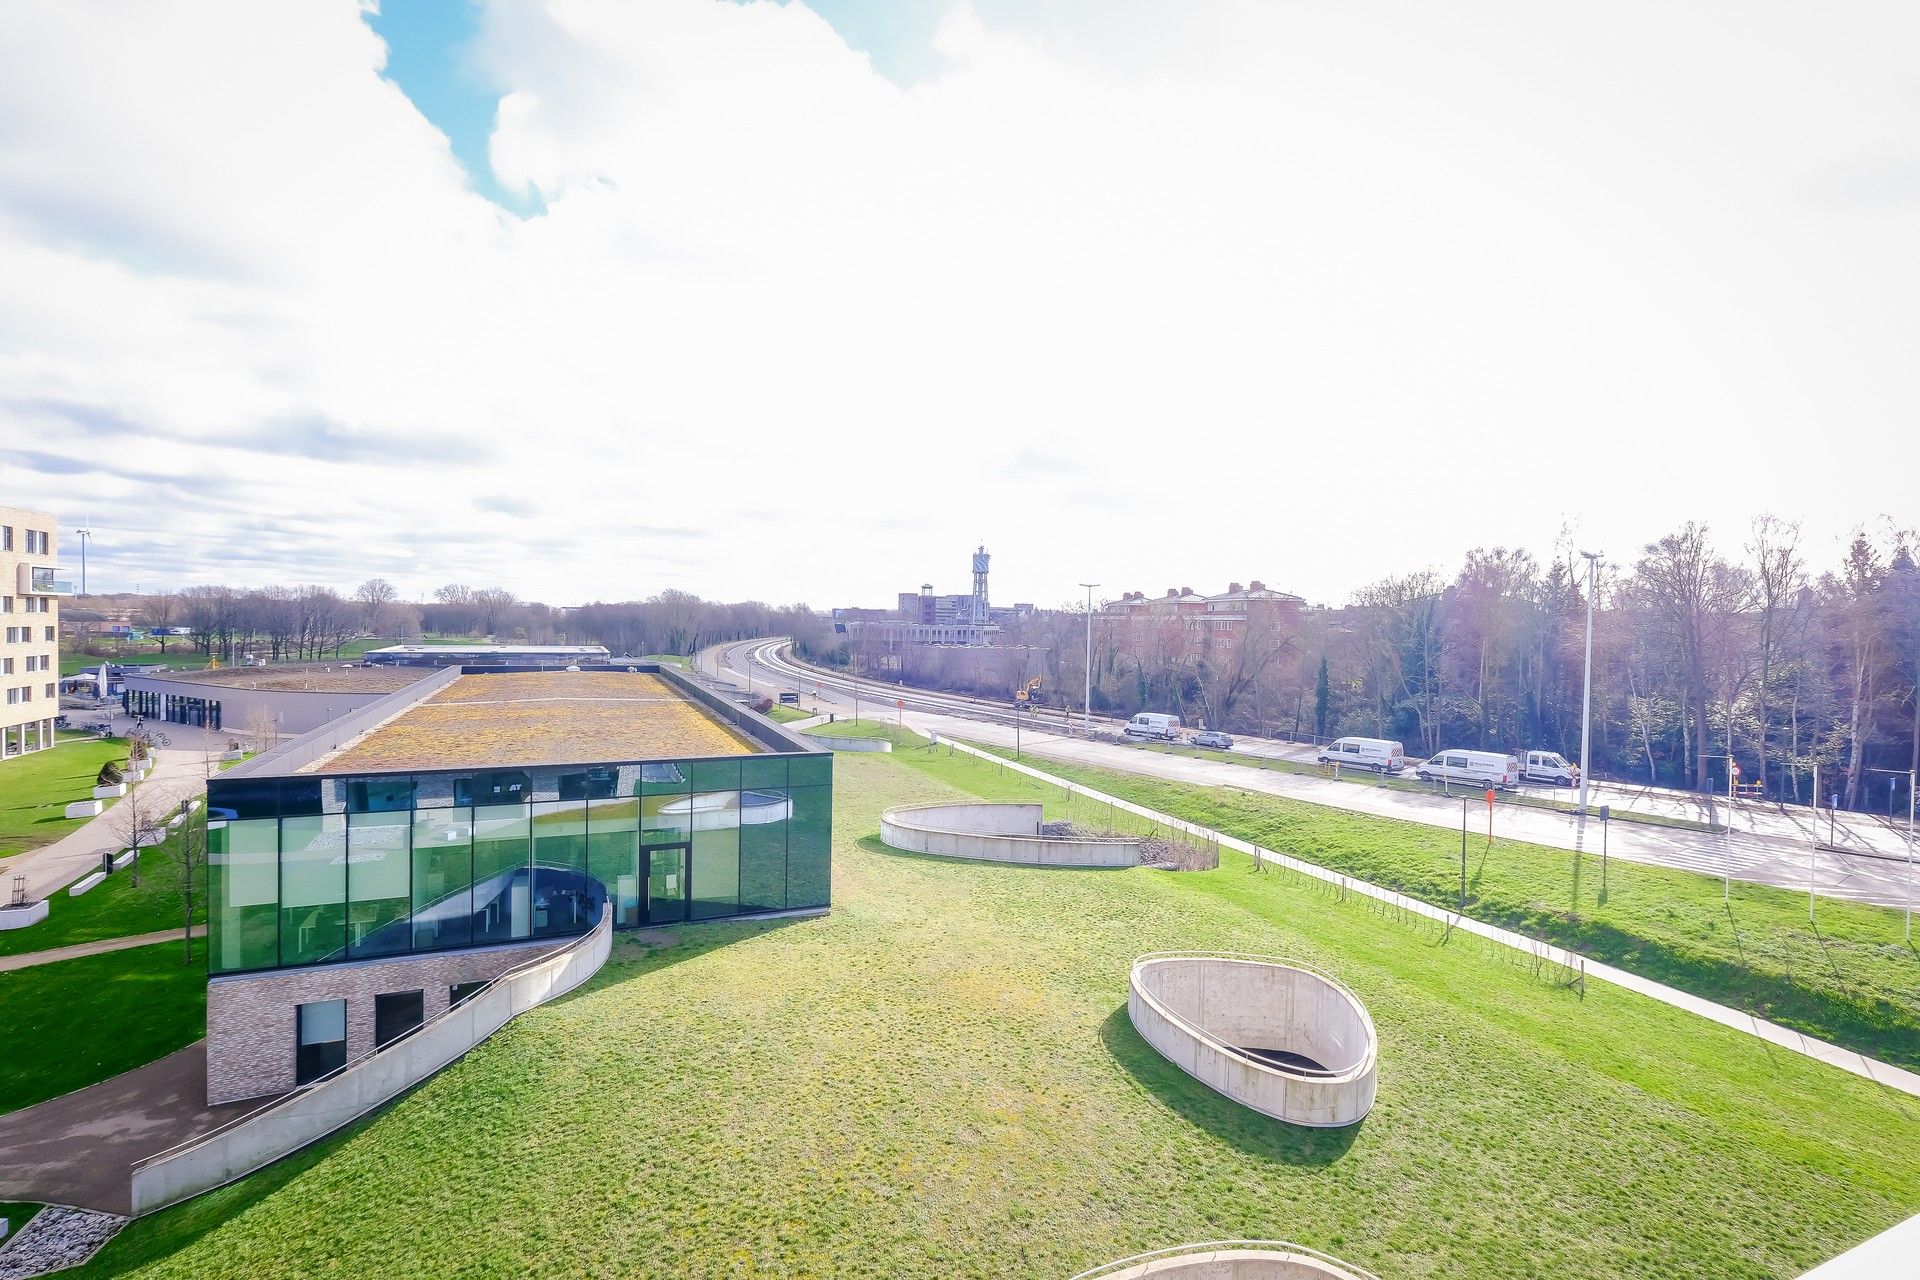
<point>44,580</point>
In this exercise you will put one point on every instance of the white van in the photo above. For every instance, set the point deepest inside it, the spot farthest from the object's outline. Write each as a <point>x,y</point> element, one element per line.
<point>1471,768</point>
<point>1549,766</point>
<point>1153,725</point>
<point>1382,755</point>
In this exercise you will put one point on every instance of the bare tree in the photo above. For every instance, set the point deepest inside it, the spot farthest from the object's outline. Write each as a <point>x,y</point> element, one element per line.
<point>133,817</point>
<point>158,613</point>
<point>1692,594</point>
<point>374,595</point>
<point>263,729</point>
<point>1779,578</point>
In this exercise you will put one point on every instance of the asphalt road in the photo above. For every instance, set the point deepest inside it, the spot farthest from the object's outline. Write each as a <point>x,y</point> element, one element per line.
<point>1766,844</point>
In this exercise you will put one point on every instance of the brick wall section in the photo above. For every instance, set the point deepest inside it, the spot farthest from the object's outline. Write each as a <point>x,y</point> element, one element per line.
<point>251,1021</point>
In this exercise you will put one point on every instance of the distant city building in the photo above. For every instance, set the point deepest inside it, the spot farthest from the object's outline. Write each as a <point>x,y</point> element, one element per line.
<point>1184,619</point>
<point>31,585</point>
<point>489,655</point>
<point>922,617</point>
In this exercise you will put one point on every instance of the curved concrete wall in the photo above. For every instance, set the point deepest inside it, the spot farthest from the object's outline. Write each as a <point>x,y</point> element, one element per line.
<point>999,833</point>
<point>302,1118</point>
<point>1230,1260</point>
<point>1201,1011</point>
<point>851,744</point>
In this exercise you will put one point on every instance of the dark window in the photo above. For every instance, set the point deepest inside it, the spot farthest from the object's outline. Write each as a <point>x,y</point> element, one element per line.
<point>460,992</point>
<point>322,1039</point>
<point>380,795</point>
<point>395,1014</point>
<point>594,784</point>
<point>501,786</point>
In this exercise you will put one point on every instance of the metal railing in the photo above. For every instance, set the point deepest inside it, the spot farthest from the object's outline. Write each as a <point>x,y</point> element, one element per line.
<point>600,932</point>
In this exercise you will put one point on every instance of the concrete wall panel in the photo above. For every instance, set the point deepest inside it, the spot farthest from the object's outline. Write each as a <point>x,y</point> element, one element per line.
<point>999,833</point>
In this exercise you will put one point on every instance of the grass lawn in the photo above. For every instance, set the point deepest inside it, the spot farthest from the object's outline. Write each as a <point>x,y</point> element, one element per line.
<point>939,1079</point>
<point>666,659</point>
<point>883,729</point>
<point>16,1214</point>
<point>1361,778</point>
<point>36,789</point>
<point>116,907</point>
<point>1853,981</point>
<point>78,1022</point>
<point>787,715</point>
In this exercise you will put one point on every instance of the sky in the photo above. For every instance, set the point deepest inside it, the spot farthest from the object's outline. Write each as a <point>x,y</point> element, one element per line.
<point>590,299</point>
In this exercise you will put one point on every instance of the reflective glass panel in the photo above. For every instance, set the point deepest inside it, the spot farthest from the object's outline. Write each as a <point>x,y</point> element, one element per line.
<point>764,815</point>
<point>378,884</point>
<point>243,883</point>
<point>502,881</point>
<point>809,838</point>
<point>442,878</point>
<point>562,900</point>
<point>613,828</point>
<point>313,888</point>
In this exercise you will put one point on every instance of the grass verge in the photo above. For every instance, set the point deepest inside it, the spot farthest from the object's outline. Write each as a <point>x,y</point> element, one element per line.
<point>116,907</point>
<point>36,789</point>
<point>1850,979</point>
<point>77,1022</point>
<point>939,1079</point>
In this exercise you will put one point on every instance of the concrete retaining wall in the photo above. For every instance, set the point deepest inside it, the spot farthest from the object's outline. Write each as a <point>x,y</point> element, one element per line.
<point>851,744</point>
<point>1199,1010</point>
<point>85,883</point>
<point>305,1117</point>
<point>999,833</point>
<point>1230,1260</point>
<point>20,917</point>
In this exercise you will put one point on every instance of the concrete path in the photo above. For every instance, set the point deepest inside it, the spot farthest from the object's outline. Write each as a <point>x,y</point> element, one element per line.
<point>53,955</point>
<point>178,773</point>
<point>80,1149</point>
<point>1783,1037</point>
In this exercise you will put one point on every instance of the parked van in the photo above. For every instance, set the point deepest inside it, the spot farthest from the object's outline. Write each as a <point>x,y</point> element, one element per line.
<point>1549,766</point>
<point>1151,725</point>
<point>1382,755</point>
<point>1471,768</point>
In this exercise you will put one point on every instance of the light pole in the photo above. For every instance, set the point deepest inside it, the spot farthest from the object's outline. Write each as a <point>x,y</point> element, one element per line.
<point>1086,722</point>
<point>84,535</point>
<point>1586,690</point>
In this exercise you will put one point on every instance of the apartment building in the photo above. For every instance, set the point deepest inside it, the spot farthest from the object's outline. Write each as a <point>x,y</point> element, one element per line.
<point>31,584</point>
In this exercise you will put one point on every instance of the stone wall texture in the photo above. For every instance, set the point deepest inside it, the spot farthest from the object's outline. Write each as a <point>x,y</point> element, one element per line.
<point>251,1019</point>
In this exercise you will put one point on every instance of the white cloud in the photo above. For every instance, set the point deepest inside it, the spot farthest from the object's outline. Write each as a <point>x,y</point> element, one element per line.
<point>1462,273</point>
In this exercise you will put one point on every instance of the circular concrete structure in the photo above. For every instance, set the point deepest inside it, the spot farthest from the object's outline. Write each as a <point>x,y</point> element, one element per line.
<point>1279,1038</point>
<point>999,833</point>
<point>1230,1260</point>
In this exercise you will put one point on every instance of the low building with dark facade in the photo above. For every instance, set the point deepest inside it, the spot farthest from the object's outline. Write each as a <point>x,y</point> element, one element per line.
<point>363,877</point>
<point>293,697</point>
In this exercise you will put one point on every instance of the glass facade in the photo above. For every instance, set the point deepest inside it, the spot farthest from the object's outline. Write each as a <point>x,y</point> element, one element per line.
<point>314,869</point>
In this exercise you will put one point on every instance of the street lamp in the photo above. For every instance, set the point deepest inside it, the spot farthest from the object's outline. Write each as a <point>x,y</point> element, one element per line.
<point>84,535</point>
<point>1586,691</point>
<point>1086,722</point>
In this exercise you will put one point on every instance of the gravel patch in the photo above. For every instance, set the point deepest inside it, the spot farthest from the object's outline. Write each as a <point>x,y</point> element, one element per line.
<point>57,1238</point>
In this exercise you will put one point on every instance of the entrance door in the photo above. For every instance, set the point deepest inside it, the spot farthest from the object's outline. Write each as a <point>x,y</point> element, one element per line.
<point>667,890</point>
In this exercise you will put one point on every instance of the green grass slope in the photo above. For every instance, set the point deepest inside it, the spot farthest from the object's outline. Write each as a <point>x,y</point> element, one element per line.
<point>939,1079</point>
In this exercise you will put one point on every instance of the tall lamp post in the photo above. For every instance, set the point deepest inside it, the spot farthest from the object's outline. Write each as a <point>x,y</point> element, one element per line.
<point>84,535</point>
<point>1586,690</point>
<point>1086,720</point>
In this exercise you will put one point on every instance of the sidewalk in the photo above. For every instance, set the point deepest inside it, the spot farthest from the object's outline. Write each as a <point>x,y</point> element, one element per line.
<point>178,774</point>
<point>53,955</point>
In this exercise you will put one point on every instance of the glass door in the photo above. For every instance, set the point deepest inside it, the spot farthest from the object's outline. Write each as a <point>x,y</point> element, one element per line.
<point>667,890</point>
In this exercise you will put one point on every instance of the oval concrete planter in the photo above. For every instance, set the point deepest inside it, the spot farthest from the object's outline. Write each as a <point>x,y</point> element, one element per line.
<point>1282,1039</point>
<point>988,832</point>
<point>1230,1260</point>
<point>851,744</point>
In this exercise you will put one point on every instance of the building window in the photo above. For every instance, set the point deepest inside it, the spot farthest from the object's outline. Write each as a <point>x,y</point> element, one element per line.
<point>6,537</point>
<point>461,992</point>
<point>49,633</point>
<point>322,1040</point>
<point>395,1014</point>
<point>51,692</point>
<point>6,666</point>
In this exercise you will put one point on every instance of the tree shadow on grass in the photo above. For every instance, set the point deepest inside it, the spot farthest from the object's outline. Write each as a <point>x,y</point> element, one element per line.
<point>1240,1127</point>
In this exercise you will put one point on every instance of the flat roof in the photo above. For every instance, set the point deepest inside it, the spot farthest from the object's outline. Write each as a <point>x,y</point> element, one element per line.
<point>336,677</point>
<point>485,721</point>
<point>495,650</point>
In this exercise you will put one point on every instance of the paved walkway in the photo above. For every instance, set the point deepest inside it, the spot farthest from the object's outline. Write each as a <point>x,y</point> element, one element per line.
<point>53,955</point>
<point>1783,1037</point>
<point>178,773</point>
<point>80,1149</point>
